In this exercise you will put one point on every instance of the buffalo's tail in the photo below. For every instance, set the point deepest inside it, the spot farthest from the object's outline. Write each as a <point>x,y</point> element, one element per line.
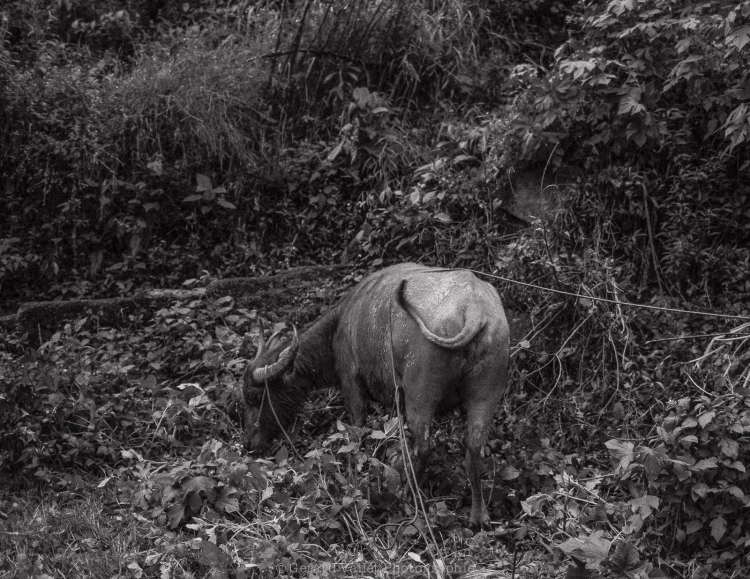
<point>473,323</point>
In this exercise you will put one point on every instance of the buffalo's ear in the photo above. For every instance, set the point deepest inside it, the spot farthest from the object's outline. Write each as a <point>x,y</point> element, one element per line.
<point>273,341</point>
<point>277,338</point>
<point>261,339</point>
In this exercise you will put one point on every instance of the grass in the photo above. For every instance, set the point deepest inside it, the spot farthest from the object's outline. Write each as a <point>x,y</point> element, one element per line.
<point>71,534</point>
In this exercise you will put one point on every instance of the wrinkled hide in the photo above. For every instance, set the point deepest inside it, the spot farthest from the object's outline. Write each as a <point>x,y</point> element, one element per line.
<point>447,335</point>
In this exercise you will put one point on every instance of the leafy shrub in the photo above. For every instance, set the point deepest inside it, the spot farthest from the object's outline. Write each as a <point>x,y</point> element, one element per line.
<point>85,396</point>
<point>679,226</point>
<point>674,494</point>
<point>646,80</point>
<point>684,490</point>
<point>700,472</point>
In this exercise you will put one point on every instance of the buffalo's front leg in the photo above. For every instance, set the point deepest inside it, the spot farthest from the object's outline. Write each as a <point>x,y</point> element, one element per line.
<point>355,398</point>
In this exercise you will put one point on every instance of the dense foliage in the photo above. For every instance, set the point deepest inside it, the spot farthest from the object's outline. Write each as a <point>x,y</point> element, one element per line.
<point>149,143</point>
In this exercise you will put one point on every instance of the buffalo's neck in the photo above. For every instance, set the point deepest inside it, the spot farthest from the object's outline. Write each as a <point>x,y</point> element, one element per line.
<point>314,365</point>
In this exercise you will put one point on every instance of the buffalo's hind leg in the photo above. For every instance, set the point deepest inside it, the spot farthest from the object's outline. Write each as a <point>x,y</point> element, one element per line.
<point>481,393</point>
<point>420,405</point>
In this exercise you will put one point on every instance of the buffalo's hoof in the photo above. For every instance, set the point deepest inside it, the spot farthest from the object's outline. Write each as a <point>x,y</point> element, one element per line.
<point>477,522</point>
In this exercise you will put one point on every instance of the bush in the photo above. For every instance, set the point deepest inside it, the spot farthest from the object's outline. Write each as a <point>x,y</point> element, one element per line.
<point>87,396</point>
<point>269,106</point>
<point>648,81</point>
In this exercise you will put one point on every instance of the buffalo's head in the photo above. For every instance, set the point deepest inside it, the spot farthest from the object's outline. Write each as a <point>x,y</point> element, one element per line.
<point>265,410</point>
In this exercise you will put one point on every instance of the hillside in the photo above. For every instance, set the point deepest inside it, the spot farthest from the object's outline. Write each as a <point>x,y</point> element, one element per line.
<point>590,160</point>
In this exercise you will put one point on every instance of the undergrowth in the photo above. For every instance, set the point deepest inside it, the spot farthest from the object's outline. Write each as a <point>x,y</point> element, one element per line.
<point>639,471</point>
<point>145,420</point>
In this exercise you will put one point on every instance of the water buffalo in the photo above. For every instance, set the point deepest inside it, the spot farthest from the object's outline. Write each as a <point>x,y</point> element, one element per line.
<point>445,331</point>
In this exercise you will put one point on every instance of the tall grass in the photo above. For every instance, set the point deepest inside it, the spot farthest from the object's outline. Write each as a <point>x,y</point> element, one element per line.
<point>224,97</point>
<point>198,104</point>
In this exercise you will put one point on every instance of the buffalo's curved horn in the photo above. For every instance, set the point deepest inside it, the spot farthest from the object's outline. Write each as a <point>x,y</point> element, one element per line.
<point>285,361</point>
